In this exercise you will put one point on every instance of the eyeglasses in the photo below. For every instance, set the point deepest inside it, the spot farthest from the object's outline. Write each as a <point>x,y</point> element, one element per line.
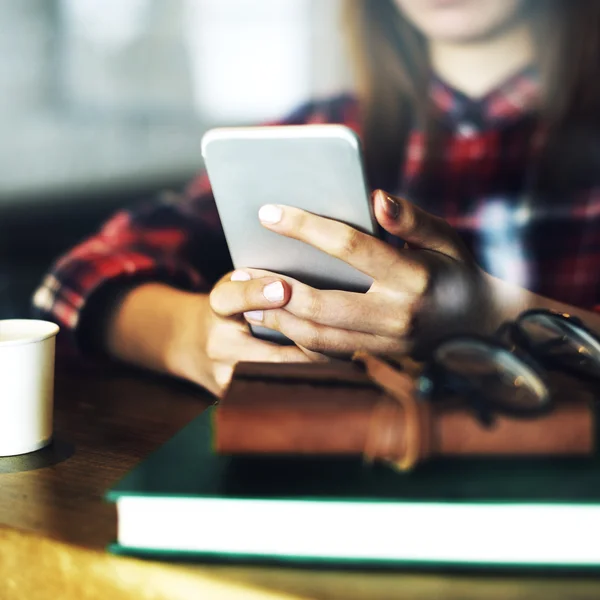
<point>558,341</point>
<point>508,373</point>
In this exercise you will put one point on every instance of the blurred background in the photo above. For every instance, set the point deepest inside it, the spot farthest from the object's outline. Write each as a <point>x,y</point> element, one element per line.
<point>103,103</point>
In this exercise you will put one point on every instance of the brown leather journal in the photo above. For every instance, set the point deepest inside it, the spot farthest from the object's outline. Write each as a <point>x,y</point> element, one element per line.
<point>343,409</point>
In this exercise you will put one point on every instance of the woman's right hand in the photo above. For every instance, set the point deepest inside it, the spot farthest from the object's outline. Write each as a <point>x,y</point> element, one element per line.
<point>214,336</point>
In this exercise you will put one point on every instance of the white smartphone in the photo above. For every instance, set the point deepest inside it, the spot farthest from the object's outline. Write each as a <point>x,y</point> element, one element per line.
<point>318,168</point>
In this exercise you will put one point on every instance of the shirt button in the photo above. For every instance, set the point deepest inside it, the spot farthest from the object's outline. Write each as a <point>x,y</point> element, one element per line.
<point>467,130</point>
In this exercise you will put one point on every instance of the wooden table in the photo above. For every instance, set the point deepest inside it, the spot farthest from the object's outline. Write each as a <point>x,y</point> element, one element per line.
<point>106,420</point>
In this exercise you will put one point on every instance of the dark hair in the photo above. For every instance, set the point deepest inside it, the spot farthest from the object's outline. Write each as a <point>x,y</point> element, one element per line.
<point>393,69</point>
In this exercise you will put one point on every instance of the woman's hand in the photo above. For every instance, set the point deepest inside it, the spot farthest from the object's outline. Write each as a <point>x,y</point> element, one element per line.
<point>217,337</point>
<point>429,288</point>
<point>198,337</point>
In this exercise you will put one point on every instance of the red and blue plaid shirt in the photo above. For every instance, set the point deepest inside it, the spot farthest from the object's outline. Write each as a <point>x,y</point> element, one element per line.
<point>480,186</point>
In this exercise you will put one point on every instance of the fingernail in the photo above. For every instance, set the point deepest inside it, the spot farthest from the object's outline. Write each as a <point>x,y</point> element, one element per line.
<point>254,315</point>
<point>270,214</point>
<point>240,276</point>
<point>274,292</point>
<point>391,207</point>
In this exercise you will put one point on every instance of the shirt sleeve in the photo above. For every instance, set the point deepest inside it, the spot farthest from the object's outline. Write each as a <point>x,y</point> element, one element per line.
<point>176,239</point>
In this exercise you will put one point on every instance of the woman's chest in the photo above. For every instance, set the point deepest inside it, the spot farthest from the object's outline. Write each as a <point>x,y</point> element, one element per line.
<point>483,184</point>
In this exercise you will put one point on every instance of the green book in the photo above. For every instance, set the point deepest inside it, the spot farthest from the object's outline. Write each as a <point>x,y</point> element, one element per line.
<point>186,501</point>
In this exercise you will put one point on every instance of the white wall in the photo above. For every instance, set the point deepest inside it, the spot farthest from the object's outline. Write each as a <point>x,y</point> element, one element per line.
<point>106,93</point>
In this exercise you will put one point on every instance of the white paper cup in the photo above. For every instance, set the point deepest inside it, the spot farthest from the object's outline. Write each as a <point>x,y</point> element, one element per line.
<point>26,385</point>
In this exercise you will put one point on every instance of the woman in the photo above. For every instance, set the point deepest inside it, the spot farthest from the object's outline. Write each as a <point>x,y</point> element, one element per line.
<point>483,113</point>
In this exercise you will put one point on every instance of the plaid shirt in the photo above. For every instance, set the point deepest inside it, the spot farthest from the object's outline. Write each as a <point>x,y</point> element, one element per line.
<point>479,186</point>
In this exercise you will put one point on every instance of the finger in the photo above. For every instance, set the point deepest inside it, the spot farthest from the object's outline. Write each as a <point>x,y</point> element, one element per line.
<point>314,356</point>
<point>255,350</point>
<point>242,293</point>
<point>419,228</point>
<point>230,345</point>
<point>387,314</point>
<point>223,371</point>
<point>364,252</point>
<point>323,339</point>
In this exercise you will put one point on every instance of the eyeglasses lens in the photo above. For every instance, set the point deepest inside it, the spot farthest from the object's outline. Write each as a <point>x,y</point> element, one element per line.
<point>494,374</point>
<point>558,338</point>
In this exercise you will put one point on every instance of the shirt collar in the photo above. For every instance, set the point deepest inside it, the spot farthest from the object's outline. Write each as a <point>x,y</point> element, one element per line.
<point>517,96</point>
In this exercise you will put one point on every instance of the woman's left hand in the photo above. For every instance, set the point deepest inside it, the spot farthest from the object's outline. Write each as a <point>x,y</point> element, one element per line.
<point>429,288</point>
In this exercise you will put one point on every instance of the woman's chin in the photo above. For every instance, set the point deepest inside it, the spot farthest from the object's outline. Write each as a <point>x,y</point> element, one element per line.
<point>460,21</point>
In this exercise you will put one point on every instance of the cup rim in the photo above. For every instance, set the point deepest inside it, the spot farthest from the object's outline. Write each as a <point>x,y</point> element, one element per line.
<point>52,331</point>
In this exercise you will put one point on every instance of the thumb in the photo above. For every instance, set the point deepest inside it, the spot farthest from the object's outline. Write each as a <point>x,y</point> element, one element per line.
<point>419,228</point>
